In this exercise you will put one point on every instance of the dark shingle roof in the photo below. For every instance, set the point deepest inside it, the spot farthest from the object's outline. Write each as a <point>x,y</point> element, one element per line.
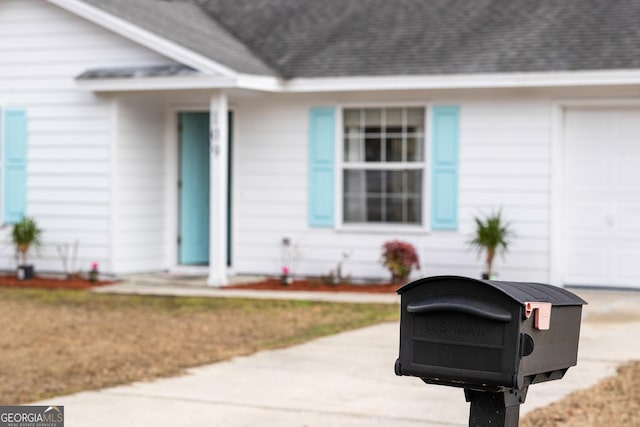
<point>185,23</point>
<point>321,38</point>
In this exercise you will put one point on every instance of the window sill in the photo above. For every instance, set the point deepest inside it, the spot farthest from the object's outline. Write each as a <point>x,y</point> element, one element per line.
<point>382,229</point>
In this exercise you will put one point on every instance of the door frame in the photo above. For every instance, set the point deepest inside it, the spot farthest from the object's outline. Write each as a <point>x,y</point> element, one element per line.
<point>172,202</point>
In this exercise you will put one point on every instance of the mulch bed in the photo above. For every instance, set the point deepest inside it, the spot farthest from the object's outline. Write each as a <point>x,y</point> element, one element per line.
<point>49,283</point>
<point>268,284</point>
<point>318,286</point>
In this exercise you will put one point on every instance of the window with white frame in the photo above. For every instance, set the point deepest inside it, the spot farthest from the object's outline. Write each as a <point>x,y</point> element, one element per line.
<point>383,165</point>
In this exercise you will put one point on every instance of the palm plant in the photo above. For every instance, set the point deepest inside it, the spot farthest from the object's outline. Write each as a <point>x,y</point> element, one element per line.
<point>26,234</point>
<point>493,235</point>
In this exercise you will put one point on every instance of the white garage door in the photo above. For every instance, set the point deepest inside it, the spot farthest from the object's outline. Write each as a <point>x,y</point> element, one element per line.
<point>601,212</point>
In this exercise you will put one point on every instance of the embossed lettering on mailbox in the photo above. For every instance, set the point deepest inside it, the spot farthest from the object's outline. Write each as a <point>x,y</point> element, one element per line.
<point>458,340</point>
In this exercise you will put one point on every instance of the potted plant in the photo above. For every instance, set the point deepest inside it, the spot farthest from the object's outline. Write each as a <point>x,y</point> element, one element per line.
<point>493,235</point>
<point>25,234</point>
<point>400,258</point>
<point>285,277</point>
<point>94,272</point>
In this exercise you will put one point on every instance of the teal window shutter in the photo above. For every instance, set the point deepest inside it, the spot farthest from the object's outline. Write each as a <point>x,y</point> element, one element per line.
<point>444,168</point>
<point>14,125</point>
<point>322,136</point>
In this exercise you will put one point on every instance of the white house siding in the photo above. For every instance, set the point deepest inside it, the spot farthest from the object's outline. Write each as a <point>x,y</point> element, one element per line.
<point>42,49</point>
<point>270,186</point>
<point>139,184</point>
<point>506,146</point>
<point>270,193</point>
<point>505,163</point>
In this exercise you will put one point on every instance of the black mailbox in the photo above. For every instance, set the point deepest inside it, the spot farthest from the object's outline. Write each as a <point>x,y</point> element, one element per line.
<point>487,336</point>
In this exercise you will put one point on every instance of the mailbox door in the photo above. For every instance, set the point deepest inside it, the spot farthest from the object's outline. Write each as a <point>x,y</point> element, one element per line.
<point>461,340</point>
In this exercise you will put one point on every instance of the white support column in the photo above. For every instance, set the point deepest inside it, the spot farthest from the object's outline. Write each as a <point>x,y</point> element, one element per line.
<point>219,152</point>
<point>112,264</point>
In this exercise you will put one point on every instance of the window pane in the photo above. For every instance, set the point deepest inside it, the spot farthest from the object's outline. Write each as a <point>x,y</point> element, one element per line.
<point>352,121</point>
<point>374,209</point>
<point>393,149</point>
<point>395,209</point>
<point>373,149</point>
<point>354,136</point>
<point>414,210</point>
<point>355,209</point>
<point>415,120</point>
<point>414,182</point>
<point>353,150</point>
<point>405,182</point>
<point>394,182</point>
<point>373,120</point>
<point>353,182</point>
<point>415,149</point>
<point>393,120</point>
<point>374,182</point>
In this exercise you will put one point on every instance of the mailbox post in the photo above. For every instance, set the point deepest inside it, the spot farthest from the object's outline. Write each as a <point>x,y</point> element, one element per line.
<point>493,339</point>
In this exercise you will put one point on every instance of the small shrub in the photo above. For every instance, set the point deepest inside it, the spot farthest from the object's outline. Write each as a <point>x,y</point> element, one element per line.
<point>400,258</point>
<point>336,276</point>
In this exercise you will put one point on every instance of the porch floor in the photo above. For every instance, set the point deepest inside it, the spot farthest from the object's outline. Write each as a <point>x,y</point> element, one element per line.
<point>174,279</point>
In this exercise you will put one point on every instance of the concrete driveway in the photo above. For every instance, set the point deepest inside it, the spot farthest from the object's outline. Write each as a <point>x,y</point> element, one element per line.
<point>342,380</point>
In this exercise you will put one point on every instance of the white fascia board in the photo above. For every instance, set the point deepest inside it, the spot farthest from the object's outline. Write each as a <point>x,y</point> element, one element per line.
<point>367,83</point>
<point>144,37</point>
<point>266,84</point>
<point>260,83</point>
<point>464,81</point>
<point>155,83</point>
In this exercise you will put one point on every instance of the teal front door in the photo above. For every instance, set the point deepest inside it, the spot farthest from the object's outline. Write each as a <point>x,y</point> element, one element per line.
<point>194,189</point>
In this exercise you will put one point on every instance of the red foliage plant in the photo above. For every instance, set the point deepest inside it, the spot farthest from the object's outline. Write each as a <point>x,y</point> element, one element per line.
<point>400,258</point>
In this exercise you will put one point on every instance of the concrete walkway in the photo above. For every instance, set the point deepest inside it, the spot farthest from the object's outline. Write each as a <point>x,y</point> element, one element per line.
<point>342,380</point>
<point>196,287</point>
